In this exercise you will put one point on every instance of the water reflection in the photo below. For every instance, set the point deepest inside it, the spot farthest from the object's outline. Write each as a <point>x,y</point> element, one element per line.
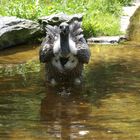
<point>64,115</point>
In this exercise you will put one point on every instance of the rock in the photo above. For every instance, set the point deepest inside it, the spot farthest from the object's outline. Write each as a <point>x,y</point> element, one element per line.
<point>56,19</point>
<point>133,31</point>
<point>128,11</point>
<point>15,31</point>
<point>106,40</point>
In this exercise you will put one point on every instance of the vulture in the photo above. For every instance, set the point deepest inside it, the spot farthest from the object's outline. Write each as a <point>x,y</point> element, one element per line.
<point>64,51</point>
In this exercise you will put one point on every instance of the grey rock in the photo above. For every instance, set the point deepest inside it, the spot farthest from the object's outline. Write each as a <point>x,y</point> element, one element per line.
<point>15,31</point>
<point>56,19</point>
<point>128,12</point>
<point>106,40</point>
<point>133,31</point>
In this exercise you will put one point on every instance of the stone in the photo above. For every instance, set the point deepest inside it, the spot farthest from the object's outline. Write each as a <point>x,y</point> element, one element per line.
<point>56,19</point>
<point>15,31</point>
<point>133,31</point>
<point>106,39</point>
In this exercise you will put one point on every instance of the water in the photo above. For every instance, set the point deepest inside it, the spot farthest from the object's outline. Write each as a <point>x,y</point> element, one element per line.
<point>105,107</point>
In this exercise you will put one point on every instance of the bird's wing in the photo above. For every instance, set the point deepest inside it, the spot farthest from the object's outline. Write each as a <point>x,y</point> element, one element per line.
<point>76,32</point>
<point>83,52</point>
<point>46,49</point>
<point>52,32</point>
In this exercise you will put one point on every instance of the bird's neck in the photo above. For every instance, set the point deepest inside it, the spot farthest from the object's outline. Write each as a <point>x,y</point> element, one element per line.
<point>64,44</point>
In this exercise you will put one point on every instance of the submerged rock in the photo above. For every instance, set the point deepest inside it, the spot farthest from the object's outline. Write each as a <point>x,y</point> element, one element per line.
<point>133,31</point>
<point>56,19</point>
<point>15,31</point>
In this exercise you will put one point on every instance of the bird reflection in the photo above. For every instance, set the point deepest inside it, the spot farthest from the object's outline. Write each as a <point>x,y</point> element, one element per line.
<point>64,115</point>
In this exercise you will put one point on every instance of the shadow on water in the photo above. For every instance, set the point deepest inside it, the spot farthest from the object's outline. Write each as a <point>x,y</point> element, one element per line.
<point>117,77</point>
<point>105,107</point>
<point>19,55</point>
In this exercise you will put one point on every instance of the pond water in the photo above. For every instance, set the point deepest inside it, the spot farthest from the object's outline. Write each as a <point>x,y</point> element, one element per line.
<point>105,107</point>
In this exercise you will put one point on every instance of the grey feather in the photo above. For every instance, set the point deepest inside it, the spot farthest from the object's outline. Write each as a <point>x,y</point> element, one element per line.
<point>52,32</point>
<point>46,50</point>
<point>76,32</point>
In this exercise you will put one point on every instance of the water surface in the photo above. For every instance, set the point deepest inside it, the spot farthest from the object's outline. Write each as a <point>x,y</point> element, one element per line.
<point>105,107</point>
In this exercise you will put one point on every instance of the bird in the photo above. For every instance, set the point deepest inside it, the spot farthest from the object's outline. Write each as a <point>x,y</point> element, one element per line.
<point>64,51</point>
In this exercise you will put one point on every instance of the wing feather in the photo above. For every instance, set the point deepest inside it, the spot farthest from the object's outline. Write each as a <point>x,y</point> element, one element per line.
<point>46,49</point>
<point>76,32</point>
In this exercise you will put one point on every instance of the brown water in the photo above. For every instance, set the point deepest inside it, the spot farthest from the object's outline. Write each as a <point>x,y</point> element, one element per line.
<point>106,107</point>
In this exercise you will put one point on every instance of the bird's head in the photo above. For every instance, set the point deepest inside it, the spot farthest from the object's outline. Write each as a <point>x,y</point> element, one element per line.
<point>64,28</point>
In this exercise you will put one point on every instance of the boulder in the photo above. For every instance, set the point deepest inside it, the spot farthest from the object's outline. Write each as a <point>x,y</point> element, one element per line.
<point>56,19</point>
<point>133,31</point>
<point>15,31</point>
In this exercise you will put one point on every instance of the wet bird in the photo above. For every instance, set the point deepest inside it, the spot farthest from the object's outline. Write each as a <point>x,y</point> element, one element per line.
<point>64,51</point>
